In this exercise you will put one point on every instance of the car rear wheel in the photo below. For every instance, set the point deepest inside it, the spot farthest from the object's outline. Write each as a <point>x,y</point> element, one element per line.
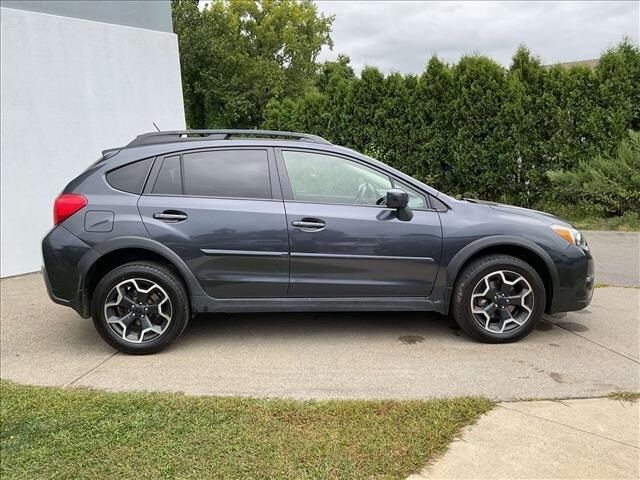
<point>498,299</point>
<point>140,307</point>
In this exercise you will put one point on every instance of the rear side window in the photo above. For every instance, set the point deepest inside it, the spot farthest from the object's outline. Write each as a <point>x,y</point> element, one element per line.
<point>224,173</point>
<point>130,178</point>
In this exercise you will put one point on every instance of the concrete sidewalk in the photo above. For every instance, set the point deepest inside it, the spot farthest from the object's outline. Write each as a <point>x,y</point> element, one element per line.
<point>572,439</point>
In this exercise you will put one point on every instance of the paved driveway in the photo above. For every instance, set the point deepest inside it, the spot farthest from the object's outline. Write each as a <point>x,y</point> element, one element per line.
<point>379,355</point>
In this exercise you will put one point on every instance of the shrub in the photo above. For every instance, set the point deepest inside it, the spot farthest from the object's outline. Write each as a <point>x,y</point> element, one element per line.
<point>606,184</point>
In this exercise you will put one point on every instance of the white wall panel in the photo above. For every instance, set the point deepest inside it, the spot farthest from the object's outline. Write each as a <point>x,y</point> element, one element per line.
<point>69,89</point>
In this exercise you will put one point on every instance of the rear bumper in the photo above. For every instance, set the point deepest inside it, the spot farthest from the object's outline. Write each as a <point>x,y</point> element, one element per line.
<point>576,280</point>
<point>61,253</point>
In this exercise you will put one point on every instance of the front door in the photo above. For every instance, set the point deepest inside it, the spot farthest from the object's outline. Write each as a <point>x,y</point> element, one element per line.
<point>345,245</point>
<point>217,210</point>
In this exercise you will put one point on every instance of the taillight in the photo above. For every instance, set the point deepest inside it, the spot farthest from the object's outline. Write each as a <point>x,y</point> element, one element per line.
<point>66,205</point>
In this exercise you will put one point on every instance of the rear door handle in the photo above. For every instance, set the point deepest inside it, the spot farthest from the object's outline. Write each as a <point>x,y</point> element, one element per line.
<point>309,224</point>
<point>170,216</point>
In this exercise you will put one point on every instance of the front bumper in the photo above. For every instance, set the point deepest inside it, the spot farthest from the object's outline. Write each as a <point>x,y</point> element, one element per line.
<point>576,280</point>
<point>62,252</point>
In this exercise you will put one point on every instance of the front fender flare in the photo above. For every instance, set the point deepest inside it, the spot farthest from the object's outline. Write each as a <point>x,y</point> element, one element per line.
<point>463,255</point>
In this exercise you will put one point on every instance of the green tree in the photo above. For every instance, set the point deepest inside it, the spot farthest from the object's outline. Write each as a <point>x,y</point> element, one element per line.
<point>393,125</point>
<point>432,120</point>
<point>478,91</point>
<point>331,71</point>
<point>236,56</point>
<point>523,130</point>
<point>617,96</point>
<point>362,109</point>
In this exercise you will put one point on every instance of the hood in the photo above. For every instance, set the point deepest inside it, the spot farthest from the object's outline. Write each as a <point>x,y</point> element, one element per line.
<point>538,215</point>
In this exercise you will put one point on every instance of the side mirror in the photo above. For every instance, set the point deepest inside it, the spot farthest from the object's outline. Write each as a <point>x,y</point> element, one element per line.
<point>397,198</point>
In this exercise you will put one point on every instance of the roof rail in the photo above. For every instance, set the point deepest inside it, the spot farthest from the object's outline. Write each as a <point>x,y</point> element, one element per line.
<point>191,135</point>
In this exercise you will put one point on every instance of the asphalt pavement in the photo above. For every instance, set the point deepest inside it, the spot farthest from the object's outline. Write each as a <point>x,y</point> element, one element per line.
<point>339,355</point>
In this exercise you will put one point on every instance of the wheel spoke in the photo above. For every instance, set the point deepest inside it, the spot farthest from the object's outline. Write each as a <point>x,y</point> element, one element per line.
<point>490,309</point>
<point>114,320</point>
<point>122,300</point>
<point>127,319</point>
<point>145,323</point>
<point>151,309</point>
<point>506,288</point>
<point>515,300</point>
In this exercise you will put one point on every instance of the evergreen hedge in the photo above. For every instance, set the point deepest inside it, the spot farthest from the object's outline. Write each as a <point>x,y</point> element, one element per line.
<point>474,128</point>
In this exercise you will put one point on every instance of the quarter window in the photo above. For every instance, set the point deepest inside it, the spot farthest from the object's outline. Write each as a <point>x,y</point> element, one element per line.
<point>416,200</point>
<point>130,178</point>
<point>315,177</point>
<point>224,173</point>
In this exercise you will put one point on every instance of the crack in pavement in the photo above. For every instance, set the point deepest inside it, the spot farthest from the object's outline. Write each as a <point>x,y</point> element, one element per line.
<point>569,426</point>
<point>612,350</point>
<point>91,370</point>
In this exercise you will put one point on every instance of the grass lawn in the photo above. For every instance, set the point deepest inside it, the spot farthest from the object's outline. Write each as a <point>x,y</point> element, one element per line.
<point>584,220</point>
<point>78,433</point>
<point>625,223</point>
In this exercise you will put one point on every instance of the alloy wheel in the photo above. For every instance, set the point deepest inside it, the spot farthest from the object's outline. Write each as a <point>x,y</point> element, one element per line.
<point>138,310</point>
<point>502,301</point>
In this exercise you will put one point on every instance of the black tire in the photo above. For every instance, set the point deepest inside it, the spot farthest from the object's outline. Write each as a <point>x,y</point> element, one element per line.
<point>151,272</point>
<point>469,279</point>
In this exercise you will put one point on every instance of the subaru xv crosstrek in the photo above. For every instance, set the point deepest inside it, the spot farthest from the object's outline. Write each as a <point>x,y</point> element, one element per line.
<point>186,222</point>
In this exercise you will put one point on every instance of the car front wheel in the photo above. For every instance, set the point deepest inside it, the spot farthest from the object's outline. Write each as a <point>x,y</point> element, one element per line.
<point>498,299</point>
<point>140,307</point>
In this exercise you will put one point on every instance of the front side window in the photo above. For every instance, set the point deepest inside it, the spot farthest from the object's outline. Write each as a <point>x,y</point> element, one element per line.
<point>316,177</point>
<point>223,173</point>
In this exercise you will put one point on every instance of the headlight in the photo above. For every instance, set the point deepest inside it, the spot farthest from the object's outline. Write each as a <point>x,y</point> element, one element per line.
<point>571,235</point>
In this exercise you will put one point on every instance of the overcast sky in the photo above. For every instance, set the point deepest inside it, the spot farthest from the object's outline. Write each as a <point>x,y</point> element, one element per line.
<point>401,36</point>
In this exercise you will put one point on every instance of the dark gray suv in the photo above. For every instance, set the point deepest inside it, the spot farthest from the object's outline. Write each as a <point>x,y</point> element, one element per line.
<point>178,223</point>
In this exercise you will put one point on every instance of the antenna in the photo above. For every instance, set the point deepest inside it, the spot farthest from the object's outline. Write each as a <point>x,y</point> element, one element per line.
<point>154,124</point>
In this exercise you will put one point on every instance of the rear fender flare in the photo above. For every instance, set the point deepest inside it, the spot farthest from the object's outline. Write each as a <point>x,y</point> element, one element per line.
<point>120,243</point>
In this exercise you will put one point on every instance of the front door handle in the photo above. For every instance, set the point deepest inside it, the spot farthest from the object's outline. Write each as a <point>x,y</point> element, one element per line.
<point>309,224</point>
<point>170,216</point>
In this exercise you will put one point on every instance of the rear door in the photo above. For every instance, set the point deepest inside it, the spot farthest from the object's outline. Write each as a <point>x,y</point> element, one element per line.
<point>345,245</point>
<point>221,211</point>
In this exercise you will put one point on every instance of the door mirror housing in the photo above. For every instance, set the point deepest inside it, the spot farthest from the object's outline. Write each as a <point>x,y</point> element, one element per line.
<point>397,198</point>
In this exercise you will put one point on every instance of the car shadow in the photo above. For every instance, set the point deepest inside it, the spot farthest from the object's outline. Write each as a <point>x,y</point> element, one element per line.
<point>408,327</point>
